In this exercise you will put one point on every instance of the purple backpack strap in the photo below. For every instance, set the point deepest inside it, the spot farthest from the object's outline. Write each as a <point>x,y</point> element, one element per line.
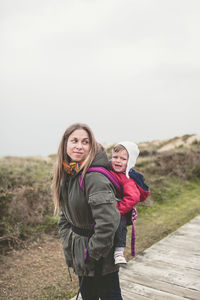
<point>134,217</point>
<point>104,172</point>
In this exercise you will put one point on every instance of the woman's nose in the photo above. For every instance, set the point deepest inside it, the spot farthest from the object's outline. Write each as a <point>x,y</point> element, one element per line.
<point>79,145</point>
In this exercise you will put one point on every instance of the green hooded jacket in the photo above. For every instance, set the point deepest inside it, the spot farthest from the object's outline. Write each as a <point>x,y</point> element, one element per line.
<point>80,209</point>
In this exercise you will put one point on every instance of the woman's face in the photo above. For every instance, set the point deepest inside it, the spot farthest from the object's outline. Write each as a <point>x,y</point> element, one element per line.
<point>78,145</point>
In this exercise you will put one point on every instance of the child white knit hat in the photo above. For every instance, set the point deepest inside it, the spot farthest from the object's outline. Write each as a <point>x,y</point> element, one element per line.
<point>133,152</point>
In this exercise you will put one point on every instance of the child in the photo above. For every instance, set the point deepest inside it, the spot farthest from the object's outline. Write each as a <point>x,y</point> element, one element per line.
<point>123,159</point>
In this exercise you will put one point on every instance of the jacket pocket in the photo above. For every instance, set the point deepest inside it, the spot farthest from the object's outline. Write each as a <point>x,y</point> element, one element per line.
<point>82,266</point>
<point>101,197</point>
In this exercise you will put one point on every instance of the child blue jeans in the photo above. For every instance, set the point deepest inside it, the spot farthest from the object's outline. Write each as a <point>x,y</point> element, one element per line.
<point>120,235</point>
<point>100,287</point>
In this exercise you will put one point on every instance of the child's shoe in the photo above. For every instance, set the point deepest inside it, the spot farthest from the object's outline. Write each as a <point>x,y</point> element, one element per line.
<point>120,259</point>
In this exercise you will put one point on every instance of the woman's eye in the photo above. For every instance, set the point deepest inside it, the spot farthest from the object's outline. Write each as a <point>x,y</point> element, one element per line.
<point>85,142</point>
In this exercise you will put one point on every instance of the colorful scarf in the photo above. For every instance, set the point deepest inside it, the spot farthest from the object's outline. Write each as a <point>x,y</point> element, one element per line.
<point>72,167</point>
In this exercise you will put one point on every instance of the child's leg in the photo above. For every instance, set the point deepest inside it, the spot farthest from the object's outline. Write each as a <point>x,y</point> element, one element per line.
<point>120,242</point>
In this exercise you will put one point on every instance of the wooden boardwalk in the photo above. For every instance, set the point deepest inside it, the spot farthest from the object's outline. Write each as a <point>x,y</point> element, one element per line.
<point>168,270</point>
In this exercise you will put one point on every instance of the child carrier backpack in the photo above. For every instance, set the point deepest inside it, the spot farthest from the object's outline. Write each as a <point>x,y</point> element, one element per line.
<point>132,214</point>
<point>104,172</point>
<point>136,176</point>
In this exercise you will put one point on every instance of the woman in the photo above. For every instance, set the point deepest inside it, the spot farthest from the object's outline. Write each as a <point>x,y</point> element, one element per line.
<point>80,210</point>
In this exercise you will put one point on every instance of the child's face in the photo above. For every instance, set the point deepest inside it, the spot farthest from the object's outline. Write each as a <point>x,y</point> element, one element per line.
<point>119,161</point>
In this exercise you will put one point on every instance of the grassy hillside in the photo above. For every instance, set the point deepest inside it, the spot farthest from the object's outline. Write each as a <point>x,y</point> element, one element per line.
<point>26,208</point>
<point>38,271</point>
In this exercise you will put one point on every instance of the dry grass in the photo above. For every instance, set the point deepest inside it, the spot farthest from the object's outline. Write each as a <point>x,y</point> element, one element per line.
<point>37,272</point>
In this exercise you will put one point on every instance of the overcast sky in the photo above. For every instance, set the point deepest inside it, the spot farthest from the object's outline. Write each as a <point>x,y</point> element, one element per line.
<point>130,69</point>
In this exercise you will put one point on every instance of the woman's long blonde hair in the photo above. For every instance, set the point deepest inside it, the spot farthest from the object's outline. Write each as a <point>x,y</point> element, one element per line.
<point>62,155</point>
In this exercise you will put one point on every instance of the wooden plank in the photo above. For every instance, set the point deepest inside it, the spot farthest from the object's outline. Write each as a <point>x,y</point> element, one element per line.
<point>181,243</point>
<point>179,276</point>
<point>163,249</point>
<point>169,257</point>
<point>177,249</point>
<point>162,286</point>
<point>148,292</point>
<point>189,230</point>
<point>127,295</point>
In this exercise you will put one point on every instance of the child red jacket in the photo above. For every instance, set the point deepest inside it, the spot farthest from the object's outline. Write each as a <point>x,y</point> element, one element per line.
<point>133,190</point>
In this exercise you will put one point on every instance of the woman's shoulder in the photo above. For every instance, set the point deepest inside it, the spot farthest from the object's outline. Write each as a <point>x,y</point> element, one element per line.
<point>96,182</point>
<point>96,177</point>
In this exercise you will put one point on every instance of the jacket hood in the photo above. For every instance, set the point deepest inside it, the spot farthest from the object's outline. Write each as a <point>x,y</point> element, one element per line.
<point>101,159</point>
<point>133,152</point>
